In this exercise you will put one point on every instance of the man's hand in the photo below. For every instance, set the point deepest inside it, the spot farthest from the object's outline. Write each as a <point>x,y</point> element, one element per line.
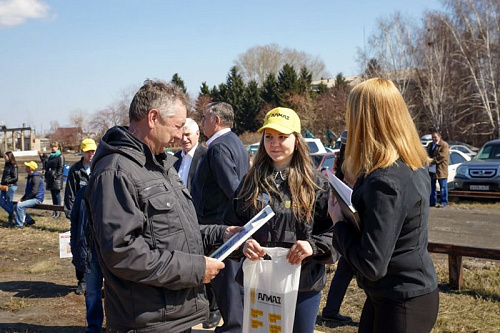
<point>230,231</point>
<point>4,188</point>
<point>212,268</point>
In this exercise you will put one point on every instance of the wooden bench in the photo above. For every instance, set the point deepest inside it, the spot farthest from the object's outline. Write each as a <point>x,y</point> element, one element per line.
<point>58,208</point>
<point>455,254</point>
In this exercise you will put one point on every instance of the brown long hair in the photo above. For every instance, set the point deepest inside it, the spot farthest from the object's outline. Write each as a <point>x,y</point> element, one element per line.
<point>301,180</point>
<point>12,159</point>
<point>380,129</point>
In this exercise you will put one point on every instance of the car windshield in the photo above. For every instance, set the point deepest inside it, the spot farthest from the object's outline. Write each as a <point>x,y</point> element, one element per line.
<point>489,152</point>
<point>317,159</point>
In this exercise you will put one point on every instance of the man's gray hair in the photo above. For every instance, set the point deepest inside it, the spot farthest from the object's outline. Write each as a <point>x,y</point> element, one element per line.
<point>159,95</point>
<point>191,125</point>
<point>224,111</point>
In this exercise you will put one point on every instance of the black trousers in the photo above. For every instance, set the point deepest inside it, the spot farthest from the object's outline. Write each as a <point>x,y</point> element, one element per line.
<point>412,315</point>
<point>229,295</point>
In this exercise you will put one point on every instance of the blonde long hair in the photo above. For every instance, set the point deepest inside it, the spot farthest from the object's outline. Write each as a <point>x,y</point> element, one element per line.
<point>380,130</point>
<point>301,180</point>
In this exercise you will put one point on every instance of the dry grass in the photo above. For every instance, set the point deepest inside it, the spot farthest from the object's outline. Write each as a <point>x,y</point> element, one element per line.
<point>492,204</point>
<point>15,304</point>
<point>476,308</point>
<point>31,254</point>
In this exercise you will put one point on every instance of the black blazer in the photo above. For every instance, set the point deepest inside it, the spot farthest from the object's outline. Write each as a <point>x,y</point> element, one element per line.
<point>390,254</point>
<point>197,157</point>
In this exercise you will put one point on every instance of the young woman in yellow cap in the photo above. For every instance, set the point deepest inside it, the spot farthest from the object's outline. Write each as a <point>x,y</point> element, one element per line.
<point>283,176</point>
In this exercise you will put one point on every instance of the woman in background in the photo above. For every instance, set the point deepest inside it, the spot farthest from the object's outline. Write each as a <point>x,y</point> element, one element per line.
<point>283,176</point>
<point>54,167</point>
<point>391,194</point>
<point>9,185</point>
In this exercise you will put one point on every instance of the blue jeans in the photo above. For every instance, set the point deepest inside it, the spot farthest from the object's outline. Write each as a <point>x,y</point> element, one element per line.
<point>338,287</point>
<point>306,311</point>
<point>6,199</point>
<point>443,185</point>
<point>20,209</point>
<point>93,297</point>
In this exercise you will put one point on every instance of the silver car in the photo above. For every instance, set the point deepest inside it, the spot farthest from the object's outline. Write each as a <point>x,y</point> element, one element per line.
<point>481,173</point>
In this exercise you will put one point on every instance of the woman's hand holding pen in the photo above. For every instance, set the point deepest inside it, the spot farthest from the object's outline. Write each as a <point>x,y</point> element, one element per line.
<point>334,210</point>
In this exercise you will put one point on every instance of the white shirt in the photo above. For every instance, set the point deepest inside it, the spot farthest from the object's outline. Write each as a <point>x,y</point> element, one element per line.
<point>217,135</point>
<point>187,159</point>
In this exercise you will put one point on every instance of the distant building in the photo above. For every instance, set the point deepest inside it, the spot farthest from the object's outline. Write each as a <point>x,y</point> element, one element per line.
<point>330,82</point>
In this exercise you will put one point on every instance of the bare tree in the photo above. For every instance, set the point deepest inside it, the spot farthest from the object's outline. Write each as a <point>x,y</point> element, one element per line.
<point>433,72</point>
<point>475,27</point>
<point>393,48</point>
<point>259,61</point>
<point>114,114</point>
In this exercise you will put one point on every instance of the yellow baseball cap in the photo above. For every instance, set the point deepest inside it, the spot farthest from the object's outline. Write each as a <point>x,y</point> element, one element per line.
<point>283,120</point>
<point>32,165</point>
<point>88,144</point>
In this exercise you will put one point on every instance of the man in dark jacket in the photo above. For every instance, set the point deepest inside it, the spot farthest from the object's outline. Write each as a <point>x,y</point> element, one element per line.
<point>33,195</point>
<point>147,238</point>
<point>218,176</point>
<point>85,260</point>
<point>192,153</point>
<point>78,177</point>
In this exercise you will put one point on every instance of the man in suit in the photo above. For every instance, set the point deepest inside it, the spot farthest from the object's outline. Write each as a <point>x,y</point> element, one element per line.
<point>439,152</point>
<point>218,176</point>
<point>189,158</point>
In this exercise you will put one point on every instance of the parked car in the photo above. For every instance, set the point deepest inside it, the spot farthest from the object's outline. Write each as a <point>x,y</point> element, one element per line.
<point>426,139</point>
<point>252,149</point>
<point>456,159</point>
<point>315,146</point>
<point>464,149</point>
<point>324,160</point>
<point>481,173</point>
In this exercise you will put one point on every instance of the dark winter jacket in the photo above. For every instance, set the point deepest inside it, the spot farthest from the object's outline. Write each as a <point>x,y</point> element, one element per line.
<point>77,178</point>
<point>283,229</point>
<point>34,187</point>
<point>219,175</point>
<point>390,255</point>
<point>53,172</point>
<point>147,238</point>
<point>9,175</point>
<point>81,236</point>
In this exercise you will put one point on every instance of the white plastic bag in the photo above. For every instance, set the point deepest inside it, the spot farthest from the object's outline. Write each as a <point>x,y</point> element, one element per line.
<point>271,288</point>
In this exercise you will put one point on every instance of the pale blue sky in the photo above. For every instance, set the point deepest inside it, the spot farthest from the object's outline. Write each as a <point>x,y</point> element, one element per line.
<point>57,56</point>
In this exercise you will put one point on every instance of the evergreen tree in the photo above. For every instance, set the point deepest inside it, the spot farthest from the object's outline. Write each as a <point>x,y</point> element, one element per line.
<point>251,105</point>
<point>204,89</point>
<point>287,84</point>
<point>305,79</point>
<point>176,79</point>
<point>270,93</point>
<point>232,93</point>
<point>340,81</point>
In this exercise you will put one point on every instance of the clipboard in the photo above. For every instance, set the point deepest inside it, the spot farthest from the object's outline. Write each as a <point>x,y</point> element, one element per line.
<point>343,194</point>
<point>248,230</point>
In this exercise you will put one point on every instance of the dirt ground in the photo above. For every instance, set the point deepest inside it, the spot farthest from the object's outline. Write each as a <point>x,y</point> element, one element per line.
<point>37,287</point>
